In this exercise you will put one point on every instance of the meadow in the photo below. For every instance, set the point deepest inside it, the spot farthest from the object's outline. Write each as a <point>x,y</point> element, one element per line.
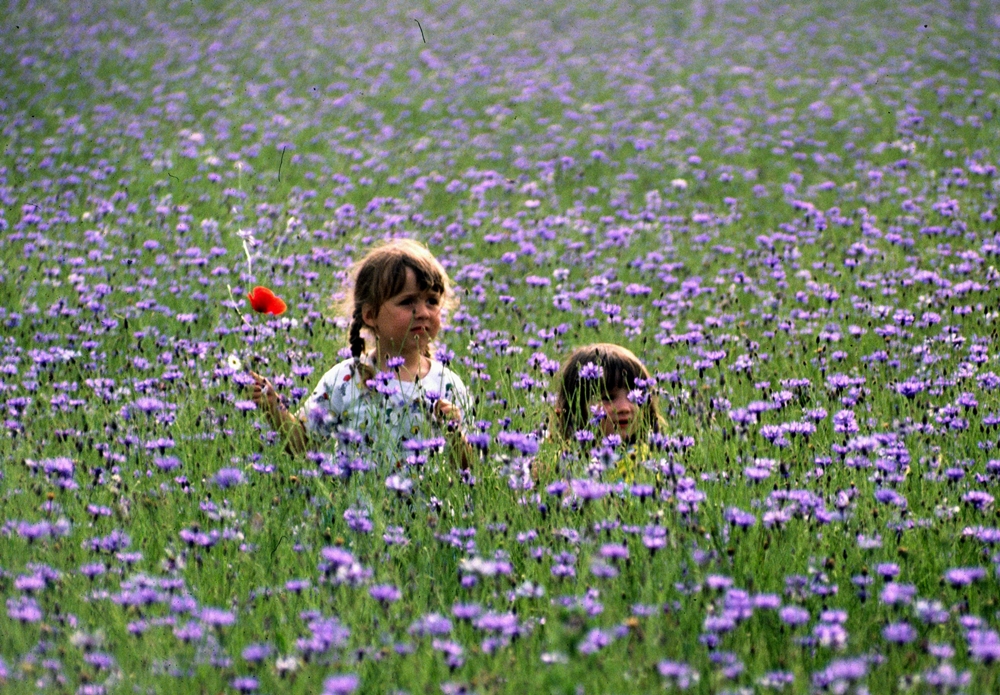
<point>788,211</point>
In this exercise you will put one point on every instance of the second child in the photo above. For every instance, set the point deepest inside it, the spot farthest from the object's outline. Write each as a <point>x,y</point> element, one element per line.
<point>604,389</point>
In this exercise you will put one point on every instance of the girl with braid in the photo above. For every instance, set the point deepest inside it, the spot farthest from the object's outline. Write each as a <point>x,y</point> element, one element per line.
<point>391,389</point>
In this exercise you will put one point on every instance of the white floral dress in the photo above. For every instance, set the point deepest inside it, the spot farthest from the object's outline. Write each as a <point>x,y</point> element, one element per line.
<point>384,412</point>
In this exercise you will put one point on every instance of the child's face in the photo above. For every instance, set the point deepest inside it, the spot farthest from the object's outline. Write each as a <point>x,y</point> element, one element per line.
<point>620,414</point>
<point>408,321</point>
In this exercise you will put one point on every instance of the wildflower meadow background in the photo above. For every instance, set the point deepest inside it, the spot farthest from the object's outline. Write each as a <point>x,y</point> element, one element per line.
<point>788,211</point>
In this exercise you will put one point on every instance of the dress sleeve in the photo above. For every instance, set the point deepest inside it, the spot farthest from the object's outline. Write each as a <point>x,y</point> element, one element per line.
<point>456,392</point>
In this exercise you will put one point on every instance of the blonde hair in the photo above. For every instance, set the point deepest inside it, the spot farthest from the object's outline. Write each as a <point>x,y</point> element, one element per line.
<point>381,275</point>
<point>619,368</point>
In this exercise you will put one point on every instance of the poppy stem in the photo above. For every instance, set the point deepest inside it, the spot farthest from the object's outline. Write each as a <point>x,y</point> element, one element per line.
<point>236,308</point>
<point>251,358</point>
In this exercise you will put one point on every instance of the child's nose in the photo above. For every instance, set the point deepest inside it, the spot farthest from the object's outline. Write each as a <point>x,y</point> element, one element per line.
<point>623,404</point>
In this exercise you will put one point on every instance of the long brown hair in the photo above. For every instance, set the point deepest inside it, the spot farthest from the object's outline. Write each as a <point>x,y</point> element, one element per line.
<point>381,275</point>
<point>577,390</point>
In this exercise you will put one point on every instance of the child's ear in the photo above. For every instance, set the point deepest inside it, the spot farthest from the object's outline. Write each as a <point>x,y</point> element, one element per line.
<point>368,315</point>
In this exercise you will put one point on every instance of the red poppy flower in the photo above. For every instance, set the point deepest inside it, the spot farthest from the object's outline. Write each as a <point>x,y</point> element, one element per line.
<point>264,301</point>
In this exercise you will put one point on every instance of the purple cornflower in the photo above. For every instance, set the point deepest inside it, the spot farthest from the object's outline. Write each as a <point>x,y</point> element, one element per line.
<point>189,632</point>
<point>738,517</point>
<point>244,684</point>
<point>984,645</point>
<point>899,633</point>
<point>334,558</point>
<point>794,615</point>
<point>324,634</point>
<point>100,660</point>
<point>384,593</point>
<point>503,623</point>
<point>588,490</point>
<point>563,565</point>
<point>24,609</point>
<point>830,635</point>
<point>90,571</point>
<point>341,684</point>
<point>29,583</point>
<point>718,582</point>
<point>394,536</point>
<point>454,653</point>
<point>654,538</point>
<point>964,576</point>
<point>228,477</point>
<point>594,641</point>
<point>767,601</point>
<point>931,612</point>
<point>466,611</point>
<point>60,467</point>
<point>255,653</point>
<point>894,593</point>
<point>943,678</point>
<point>216,617</point>
<point>297,586</point>
<point>911,387</point>
<point>718,623</point>
<point>113,542</point>
<point>167,463</point>
<point>889,496</point>
<point>776,680</point>
<point>430,624</point>
<point>402,486</point>
<point>642,491</point>
<point>887,570</point>
<point>602,570</point>
<point>357,520</point>
<point>845,421</point>
<point>678,674</point>
<point>978,499</point>
<point>941,650</point>
<point>839,674</point>
<point>613,551</point>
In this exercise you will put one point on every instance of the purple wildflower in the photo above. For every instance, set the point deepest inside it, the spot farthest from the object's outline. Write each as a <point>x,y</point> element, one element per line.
<point>384,593</point>
<point>341,684</point>
<point>228,477</point>
<point>899,633</point>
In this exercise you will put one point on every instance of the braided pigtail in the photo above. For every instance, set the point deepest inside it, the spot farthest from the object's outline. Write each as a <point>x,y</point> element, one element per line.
<point>357,343</point>
<point>355,339</point>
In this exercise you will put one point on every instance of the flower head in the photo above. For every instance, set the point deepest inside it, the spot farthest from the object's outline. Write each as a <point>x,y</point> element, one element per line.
<point>264,301</point>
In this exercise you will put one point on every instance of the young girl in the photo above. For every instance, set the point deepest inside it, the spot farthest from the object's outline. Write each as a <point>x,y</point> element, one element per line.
<point>396,390</point>
<point>604,387</point>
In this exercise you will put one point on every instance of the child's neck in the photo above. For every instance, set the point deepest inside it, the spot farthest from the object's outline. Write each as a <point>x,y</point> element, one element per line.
<point>415,365</point>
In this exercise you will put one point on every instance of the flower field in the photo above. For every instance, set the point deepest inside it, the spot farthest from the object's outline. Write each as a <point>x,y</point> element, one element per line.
<point>788,212</point>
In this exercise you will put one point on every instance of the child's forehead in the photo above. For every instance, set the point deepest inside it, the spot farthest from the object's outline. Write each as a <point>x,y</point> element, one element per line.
<point>414,280</point>
<point>412,287</point>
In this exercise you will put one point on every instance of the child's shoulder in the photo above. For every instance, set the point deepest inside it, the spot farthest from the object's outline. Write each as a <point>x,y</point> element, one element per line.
<point>343,371</point>
<point>439,370</point>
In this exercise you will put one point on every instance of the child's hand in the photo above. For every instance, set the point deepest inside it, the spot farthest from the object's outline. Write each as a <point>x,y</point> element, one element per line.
<point>263,393</point>
<point>448,413</point>
<point>266,398</point>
